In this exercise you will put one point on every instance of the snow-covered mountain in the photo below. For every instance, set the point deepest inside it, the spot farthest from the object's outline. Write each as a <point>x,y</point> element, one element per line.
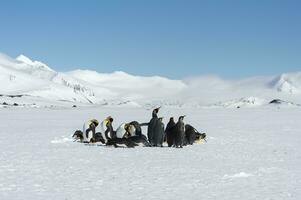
<point>35,83</point>
<point>288,83</point>
<point>22,76</point>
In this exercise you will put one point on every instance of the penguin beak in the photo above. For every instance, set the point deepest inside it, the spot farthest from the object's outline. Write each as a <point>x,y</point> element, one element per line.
<point>182,117</point>
<point>157,109</point>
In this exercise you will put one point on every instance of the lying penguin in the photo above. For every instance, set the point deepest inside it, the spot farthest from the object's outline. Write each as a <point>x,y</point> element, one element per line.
<point>89,129</point>
<point>78,136</point>
<point>128,132</point>
<point>121,142</point>
<point>88,133</point>
<point>200,137</point>
<point>125,136</point>
<point>137,136</point>
<point>192,135</point>
<point>137,126</point>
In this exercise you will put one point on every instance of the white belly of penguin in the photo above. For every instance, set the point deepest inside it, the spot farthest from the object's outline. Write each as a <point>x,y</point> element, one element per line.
<point>87,137</point>
<point>120,132</point>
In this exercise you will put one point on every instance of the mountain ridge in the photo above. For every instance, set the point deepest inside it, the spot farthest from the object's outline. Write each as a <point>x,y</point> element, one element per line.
<point>34,78</point>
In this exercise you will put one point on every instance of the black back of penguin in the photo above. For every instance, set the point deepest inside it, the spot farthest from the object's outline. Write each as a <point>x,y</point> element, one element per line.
<point>190,134</point>
<point>179,132</point>
<point>158,133</point>
<point>151,126</point>
<point>150,130</point>
<point>170,137</point>
<point>140,140</point>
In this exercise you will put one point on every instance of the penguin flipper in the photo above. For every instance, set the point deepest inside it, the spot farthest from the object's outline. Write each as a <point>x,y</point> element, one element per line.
<point>144,124</point>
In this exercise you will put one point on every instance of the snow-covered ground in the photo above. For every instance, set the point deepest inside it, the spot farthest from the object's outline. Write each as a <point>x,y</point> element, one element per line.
<point>252,124</point>
<point>252,153</point>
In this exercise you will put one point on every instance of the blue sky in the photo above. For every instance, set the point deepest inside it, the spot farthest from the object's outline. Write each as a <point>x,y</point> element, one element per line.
<point>176,39</point>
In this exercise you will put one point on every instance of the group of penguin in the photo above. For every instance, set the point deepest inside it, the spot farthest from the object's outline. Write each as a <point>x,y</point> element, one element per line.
<point>176,134</point>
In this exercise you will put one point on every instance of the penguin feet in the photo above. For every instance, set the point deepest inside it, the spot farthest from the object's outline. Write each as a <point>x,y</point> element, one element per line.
<point>92,140</point>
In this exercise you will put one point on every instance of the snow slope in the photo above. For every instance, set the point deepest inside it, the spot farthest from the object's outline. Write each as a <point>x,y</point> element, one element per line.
<point>250,154</point>
<point>288,83</point>
<point>33,78</point>
<point>84,87</point>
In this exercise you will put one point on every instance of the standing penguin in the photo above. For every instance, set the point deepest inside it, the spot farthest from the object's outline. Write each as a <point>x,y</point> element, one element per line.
<point>151,126</point>
<point>158,136</point>
<point>179,131</point>
<point>169,133</point>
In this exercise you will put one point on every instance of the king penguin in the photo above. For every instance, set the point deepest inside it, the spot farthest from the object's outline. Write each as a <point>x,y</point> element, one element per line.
<point>158,136</point>
<point>169,133</point>
<point>190,134</point>
<point>137,126</point>
<point>89,130</point>
<point>151,126</point>
<point>179,131</point>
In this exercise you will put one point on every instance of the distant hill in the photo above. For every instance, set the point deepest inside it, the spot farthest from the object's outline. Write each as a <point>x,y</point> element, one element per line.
<point>37,83</point>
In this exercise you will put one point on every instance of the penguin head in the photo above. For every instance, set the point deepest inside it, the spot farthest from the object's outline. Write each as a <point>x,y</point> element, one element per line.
<point>181,118</point>
<point>156,110</point>
<point>95,122</point>
<point>161,119</point>
<point>110,119</point>
<point>129,130</point>
<point>171,119</point>
<point>127,127</point>
<point>78,135</point>
<point>199,137</point>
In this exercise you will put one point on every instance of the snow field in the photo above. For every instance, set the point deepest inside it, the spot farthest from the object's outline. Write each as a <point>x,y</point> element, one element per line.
<point>250,154</point>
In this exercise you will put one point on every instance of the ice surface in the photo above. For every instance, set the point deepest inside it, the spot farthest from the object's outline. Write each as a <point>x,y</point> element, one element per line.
<point>251,153</point>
